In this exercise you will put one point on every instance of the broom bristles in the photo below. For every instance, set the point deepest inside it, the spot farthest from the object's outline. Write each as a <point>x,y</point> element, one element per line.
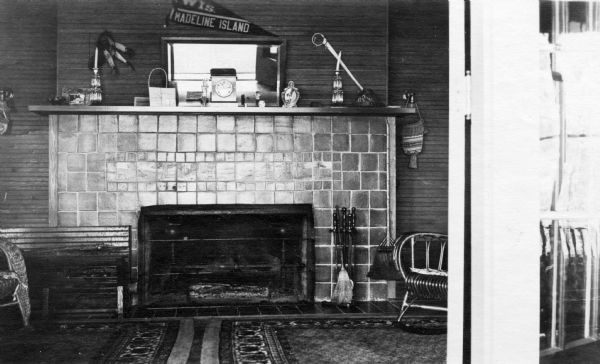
<point>342,293</point>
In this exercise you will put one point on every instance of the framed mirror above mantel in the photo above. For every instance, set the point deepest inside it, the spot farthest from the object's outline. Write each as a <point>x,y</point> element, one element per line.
<point>225,71</point>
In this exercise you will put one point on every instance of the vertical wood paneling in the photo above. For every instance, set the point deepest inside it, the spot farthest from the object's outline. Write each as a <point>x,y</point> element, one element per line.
<point>28,66</point>
<point>53,170</point>
<point>356,27</point>
<point>418,54</point>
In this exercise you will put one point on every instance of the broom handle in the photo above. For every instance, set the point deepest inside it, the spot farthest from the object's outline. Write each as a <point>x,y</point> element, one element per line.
<point>351,230</point>
<point>336,236</point>
<point>344,225</point>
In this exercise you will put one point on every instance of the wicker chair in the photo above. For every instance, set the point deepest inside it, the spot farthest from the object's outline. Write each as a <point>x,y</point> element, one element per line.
<point>413,256</point>
<point>13,282</point>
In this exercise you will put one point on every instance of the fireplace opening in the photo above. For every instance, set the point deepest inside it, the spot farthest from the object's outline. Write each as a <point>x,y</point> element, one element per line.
<point>220,254</point>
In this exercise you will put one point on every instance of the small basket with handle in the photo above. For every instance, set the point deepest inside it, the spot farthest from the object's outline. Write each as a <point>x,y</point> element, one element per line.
<point>161,96</point>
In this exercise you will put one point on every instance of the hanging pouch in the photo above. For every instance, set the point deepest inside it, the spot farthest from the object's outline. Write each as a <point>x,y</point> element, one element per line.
<point>412,139</point>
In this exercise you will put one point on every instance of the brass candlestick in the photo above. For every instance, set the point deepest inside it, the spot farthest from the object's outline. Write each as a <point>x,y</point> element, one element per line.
<point>95,96</point>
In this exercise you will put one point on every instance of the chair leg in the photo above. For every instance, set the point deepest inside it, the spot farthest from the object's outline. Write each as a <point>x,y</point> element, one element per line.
<point>405,306</point>
<point>22,297</point>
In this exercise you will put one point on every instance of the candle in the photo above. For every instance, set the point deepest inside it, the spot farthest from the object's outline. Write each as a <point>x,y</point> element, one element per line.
<point>96,59</point>
<point>339,58</point>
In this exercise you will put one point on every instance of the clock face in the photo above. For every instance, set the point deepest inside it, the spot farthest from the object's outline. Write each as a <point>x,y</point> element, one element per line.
<point>224,88</point>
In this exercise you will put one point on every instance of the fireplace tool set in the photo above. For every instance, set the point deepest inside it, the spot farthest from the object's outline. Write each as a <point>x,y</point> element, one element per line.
<point>344,226</point>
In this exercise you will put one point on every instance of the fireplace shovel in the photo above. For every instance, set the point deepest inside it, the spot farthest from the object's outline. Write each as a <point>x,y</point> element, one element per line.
<point>342,293</point>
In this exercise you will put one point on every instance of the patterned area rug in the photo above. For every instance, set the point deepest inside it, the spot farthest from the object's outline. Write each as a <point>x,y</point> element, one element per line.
<point>140,343</point>
<point>326,341</point>
<point>146,342</point>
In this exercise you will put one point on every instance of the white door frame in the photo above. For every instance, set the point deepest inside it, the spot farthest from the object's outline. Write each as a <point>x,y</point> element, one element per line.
<point>456,179</point>
<point>505,192</point>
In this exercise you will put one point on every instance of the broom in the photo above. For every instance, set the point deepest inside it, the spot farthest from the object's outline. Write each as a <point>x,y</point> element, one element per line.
<point>342,294</point>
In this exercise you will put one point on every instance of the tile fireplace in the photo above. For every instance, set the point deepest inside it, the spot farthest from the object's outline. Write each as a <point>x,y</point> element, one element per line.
<point>109,165</point>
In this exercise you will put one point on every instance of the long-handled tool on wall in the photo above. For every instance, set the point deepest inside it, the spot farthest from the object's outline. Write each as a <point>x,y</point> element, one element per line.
<point>366,97</point>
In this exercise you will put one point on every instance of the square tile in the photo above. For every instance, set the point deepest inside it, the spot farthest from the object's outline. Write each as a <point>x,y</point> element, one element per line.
<point>244,124</point>
<point>369,162</point>
<point>87,201</point>
<point>226,142</point>
<point>322,124</point>
<point>67,219</point>
<point>359,143</point>
<point>283,124</point>
<point>187,124</point>
<point>351,180</point>
<point>107,124</point>
<point>341,142</point>
<point>263,124</point>
<point>206,142</point>
<point>378,143</point>
<point>206,198</point>
<point>96,162</point>
<point>302,124</point>
<point>225,171</point>
<point>207,124</point>
<point>127,201</point>
<point>147,198</point>
<point>76,162</point>
<point>88,123</point>
<point>186,143</point>
<point>167,142</point>
<point>67,201</point>
<point>128,123</point>
<point>226,197</point>
<point>225,123</point>
<point>96,182</point>
<point>284,142</point>
<point>186,198</point>
<point>88,218</point>
<point>107,201</point>
<point>322,142</point>
<point>68,124</point>
<point>264,143</point>
<point>147,141</point>
<point>186,171</point>
<point>148,124</point>
<point>76,182</point>
<point>369,181</point>
<point>67,142</point>
<point>87,143</point>
<point>206,171</point>
<point>167,198</point>
<point>167,124</point>
<point>126,142</point>
<point>107,142</point>
<point>107,219</point>
<point>245,143</point>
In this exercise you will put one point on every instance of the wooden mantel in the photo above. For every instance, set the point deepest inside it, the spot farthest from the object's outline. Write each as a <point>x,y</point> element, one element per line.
<point>371,111</point>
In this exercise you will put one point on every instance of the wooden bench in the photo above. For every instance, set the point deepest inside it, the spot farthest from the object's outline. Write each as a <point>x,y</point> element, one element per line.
<point>74,269</point>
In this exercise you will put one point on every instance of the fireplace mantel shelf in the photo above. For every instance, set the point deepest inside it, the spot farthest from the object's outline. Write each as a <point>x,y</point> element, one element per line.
<point>372,111</point>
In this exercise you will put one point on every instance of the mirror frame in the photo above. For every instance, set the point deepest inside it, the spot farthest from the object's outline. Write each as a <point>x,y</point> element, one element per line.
<point>165,41</point>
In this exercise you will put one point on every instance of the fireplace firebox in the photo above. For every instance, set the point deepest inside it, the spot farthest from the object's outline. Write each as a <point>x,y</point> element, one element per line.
<point>225,254</point>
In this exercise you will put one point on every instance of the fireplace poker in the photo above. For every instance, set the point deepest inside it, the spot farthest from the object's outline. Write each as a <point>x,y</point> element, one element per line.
<point>351,231</point>
<point>344,225</point>
<point>342,293</point>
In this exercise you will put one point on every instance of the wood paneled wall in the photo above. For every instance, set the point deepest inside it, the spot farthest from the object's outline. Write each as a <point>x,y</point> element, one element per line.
<point>28,66</point>
<point>357,27</point>
<point>64,30</point>
<point>418,54</point>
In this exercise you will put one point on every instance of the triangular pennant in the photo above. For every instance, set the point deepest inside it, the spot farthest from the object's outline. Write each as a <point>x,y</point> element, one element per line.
<point>208,14</point>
